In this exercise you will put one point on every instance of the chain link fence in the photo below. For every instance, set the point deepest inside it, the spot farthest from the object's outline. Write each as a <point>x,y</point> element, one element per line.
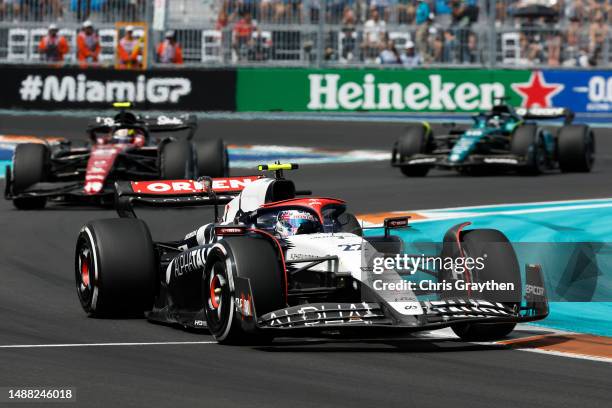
<point>315,33</point>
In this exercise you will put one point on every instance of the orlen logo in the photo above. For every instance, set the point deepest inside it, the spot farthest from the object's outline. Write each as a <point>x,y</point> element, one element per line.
<point>174,187</point>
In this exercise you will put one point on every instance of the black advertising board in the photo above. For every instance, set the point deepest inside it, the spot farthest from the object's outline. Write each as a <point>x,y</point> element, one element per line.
<point>50,88</point>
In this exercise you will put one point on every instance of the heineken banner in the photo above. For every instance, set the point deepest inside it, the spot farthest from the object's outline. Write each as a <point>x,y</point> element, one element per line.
<point>421,90</point>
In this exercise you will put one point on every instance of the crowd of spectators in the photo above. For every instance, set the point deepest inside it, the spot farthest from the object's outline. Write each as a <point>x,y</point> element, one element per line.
<point>61,10</point>
<point>407,32</point>
<point>572,33</point>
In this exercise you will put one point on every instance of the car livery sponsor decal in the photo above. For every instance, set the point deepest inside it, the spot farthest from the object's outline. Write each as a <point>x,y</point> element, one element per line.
<point>100,164</point>
<point>177,187</point>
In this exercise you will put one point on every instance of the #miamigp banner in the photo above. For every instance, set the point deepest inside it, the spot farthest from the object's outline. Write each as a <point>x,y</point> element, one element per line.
<point>43,87</point>
<point>420,90</point>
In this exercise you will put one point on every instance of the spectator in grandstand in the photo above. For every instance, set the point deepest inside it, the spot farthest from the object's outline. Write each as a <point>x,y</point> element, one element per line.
<point>450,47</point>
<point>463,12</point>
<point>334,9</point>
<point>389,55</point>
<point>472,53</point>
<point>410,58</point>
<point>437,45</point>
<point>598,32</point>
<point>575,10</point>
<point>406,11</point>
<point>169,51</point>
<point>574,38</point>
<point>553,49</point>
<point>242,34</point>
<point>222,19</point>
<point>88,45</point>
<point>129,50</point>
<point>383,7</point>
<point>53,47</point>
<point>443,13</point>
<point>424,18</point>
<point>349,37</point>
<point>374,31</point>
<point>281,11</point>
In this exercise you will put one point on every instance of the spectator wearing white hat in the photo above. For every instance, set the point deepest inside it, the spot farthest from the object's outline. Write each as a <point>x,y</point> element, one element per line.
<point>169,51</point>
<point>88,45</point>
<point>129,50</point>
<point>53,47</point>
<point>410,58</point>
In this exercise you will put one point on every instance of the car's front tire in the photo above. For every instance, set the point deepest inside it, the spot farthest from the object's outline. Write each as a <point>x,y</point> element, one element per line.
<point>527,143</point>
<point>500,265</point>
<point>245,257</point>
<point>30,164</point>
<point>413,141</point>
<point>115,268</point>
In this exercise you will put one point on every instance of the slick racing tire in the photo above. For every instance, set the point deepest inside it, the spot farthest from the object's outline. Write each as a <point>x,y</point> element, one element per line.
<point>211,158</point>
<point>576,148</point>
<point>500,265</point>
<point>527,143</point>
<point>115,268</point>
<point>176,161</point>
<point>245,257</point>
<point>414,141</point>
<point>30,164</point>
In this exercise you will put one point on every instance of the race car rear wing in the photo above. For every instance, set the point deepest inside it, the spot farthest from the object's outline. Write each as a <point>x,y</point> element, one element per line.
<point>152,124</point>
<point>546,113</point>
<point>177,193</point>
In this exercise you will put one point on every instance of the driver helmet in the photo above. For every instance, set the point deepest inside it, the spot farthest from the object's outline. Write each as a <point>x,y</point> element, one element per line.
<point>288,222</point>
<point>494,121</point>
<point>123,136</point>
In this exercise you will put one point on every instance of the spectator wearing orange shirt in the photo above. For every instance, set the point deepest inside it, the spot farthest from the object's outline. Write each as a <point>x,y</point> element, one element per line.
<point>53,47</point>
<point>88,45</point>
<point>129,50</point>
<point>242,34</point>
<point>169,51</point>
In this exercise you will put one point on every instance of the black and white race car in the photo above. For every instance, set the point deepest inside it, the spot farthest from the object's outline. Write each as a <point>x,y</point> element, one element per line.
<point>126,146</point>
<point>280,262</point>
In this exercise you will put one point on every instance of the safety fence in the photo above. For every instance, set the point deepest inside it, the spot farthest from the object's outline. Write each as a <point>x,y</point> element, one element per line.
<point>304,90</point>
<point>318,33</point>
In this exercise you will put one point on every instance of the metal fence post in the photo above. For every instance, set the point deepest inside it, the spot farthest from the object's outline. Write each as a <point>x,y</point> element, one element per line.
<point>321,33</point>
<point>492,35</point>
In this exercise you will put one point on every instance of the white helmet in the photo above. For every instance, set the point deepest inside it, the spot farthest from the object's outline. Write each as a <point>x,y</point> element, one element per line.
<point>288,222</point>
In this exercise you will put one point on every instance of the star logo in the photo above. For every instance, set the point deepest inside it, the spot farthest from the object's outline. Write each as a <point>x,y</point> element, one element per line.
<point>537,92</point>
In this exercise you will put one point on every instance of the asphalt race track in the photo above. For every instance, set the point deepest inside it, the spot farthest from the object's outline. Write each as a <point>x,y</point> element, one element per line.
<point>38,303</point>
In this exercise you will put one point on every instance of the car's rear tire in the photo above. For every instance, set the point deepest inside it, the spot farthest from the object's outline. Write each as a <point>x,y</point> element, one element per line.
<point>414,141</point>
<point>576,148</point>
<point>500,265</point>
<point>211,158</point>
<point>266,282</point>
<point>115,268</point>
<point>176,160</point>
<point>30,164</point>
<point>526,142</point>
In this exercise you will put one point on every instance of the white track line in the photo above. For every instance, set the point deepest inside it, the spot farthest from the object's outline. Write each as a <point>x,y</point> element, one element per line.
<point>564,354</point>
<point>160,343</point>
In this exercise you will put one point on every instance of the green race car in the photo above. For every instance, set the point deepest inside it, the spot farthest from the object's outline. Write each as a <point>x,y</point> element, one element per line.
<point>503,139</point>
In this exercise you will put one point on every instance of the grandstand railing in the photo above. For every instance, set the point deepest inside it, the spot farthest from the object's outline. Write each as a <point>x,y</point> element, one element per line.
<point>321,33</point>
